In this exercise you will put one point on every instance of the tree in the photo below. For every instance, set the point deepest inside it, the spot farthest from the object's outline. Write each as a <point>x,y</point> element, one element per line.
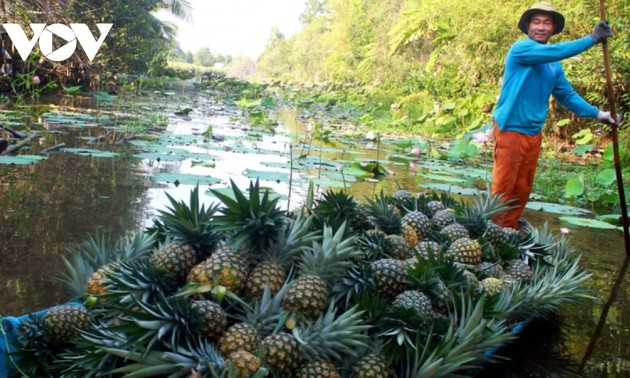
<point>203,57</point>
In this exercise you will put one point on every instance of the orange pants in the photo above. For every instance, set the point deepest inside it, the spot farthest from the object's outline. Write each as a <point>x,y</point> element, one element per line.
<point>515,161</point>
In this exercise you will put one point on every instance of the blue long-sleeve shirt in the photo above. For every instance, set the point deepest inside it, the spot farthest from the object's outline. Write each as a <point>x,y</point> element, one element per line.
<point>533,73</point>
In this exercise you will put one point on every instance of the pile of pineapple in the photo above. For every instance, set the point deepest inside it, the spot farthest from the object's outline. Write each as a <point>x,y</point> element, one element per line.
<point>401,285</point>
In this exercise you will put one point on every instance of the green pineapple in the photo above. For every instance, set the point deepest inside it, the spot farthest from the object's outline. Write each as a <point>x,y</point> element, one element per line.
<point>403,199</point>
<point>283,252</point>
<point>495,234</point>
<point>443,218</point>
<point>421,223</point>
<point>491,269</point>
<point>465,251</point>
<point>520,270</point>
<point>63,322</point>
<point>454,231</point>
<point>214,318</point>
<point>281,352</point>
<point>239,337</point>
<point>428,248</point>
<point>317,369</point>
<point>320,268</point>
<point>252,222</point>
<point>225,267</point>
<point>176,259</point>
<point>434,206</point>
<point>372,365</point>
<point>398,247</point>
<point>417,301</point>
<point>389,277</point>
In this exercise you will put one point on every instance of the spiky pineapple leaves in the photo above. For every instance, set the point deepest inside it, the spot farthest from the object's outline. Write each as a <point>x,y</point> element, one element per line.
<point>252,222</point>
<point>188,222</point>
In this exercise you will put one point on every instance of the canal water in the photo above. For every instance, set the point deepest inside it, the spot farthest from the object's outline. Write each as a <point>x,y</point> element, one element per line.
<point>54,204</point>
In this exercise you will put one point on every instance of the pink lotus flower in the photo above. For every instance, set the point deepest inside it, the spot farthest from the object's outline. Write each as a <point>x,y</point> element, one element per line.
<point>36,80</point>
<point>416,151</point>
<point>564,230</point>
<point>480,138</point>
<point>413,165</point>
<point>340,167</point>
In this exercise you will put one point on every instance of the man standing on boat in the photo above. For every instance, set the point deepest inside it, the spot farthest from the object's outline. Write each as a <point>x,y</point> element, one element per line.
<point>532,74</point>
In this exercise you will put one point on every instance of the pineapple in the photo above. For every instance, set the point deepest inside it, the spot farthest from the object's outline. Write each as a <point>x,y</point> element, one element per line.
<point>225,267</point>
<point>239,337</point>
<point>491,269</point>
<point>465,251</point>
<point>320,268</point>
<point>389,277</point>
<point>252,222</point>
<point>434,206</point>
<point>492,286</point>
<point>417,301</point>
<point>282,253</point>
<point>372,365</point>
<point>281,352</point>
<point>317,369</point>
<point>427,248</point>
<point>398,247</point>
<point>214,318</point>
<point>175,259</point>
<point>245,364</point>
<point>96,284</point>
<point>421,223</point>
<point>454,231</point>
<point>495,234</point>
<point>63,322</point>
<point>410,235</point>
<point>519,269</point>
<point>443,217</point>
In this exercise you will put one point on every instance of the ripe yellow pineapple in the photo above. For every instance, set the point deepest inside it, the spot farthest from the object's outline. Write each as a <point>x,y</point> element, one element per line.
<point>225,267</point>
<point>317,369</point>
<point>465,251</point>
<point>245,363</point>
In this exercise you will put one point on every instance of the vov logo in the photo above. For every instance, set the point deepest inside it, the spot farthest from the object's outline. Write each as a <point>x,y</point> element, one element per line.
<point>71,34</point>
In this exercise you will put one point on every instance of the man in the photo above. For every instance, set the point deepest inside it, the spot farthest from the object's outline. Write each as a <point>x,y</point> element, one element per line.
<point>532,74</point>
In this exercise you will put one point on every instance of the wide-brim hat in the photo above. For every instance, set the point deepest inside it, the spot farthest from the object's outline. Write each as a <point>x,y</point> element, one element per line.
<point>544,7</point>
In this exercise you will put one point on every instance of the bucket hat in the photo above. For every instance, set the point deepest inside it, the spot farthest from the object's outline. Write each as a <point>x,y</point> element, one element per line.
<point>544,7</point>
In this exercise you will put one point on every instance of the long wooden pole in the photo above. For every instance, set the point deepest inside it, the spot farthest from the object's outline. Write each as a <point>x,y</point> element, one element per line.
<point>615,136</point>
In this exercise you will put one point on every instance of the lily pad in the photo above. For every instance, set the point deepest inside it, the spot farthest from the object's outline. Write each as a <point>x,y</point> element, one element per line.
<point>266,175</point>
<point>451,189</point>
<point>159,156</point>
<point>186,179</point>
<point>437,177</point>
<point>90,152</point>
<point>21,159</point>
<point>331,183</point>
<point>556,208</point>
<point>588,222</point>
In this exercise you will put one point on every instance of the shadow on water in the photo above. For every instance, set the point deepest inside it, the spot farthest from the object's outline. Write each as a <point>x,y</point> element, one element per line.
<point>57,203</point>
